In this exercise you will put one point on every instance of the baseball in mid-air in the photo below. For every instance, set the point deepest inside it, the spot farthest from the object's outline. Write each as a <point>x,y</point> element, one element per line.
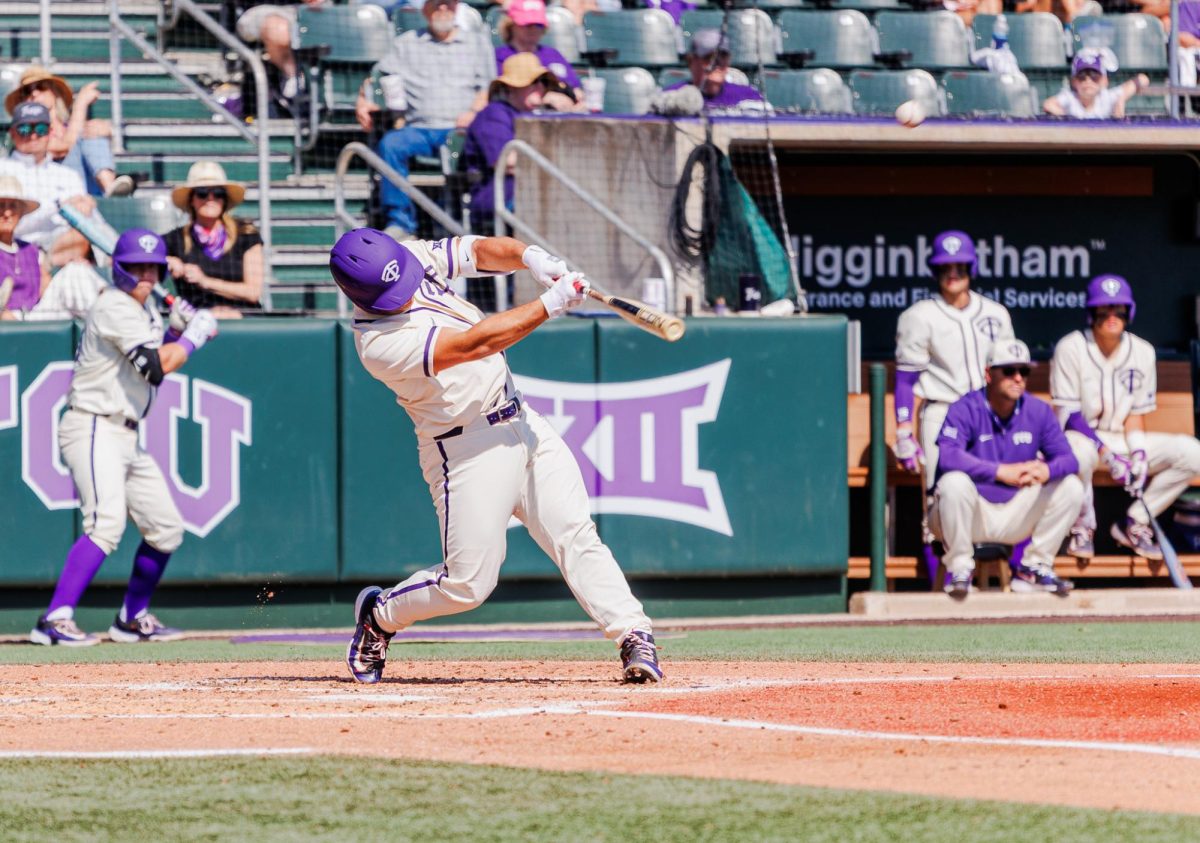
<point>910,114</point>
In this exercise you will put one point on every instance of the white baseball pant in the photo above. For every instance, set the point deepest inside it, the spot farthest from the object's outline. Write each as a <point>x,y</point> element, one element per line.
<point>113,475</point>
<point>1173,460</point>
<point>929,425</point>
<point>961,517</point>
<point>478,480</point>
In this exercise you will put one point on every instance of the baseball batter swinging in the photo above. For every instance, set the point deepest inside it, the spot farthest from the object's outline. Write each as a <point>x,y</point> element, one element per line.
<point>485,455</point>
<point>121,360</point>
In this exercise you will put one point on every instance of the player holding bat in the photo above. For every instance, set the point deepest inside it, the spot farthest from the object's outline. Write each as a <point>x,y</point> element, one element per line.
<point>485,455</point>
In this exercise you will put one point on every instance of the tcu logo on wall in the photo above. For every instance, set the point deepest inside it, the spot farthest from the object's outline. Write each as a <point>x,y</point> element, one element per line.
<point>638,442</point>
<point>225,424</point>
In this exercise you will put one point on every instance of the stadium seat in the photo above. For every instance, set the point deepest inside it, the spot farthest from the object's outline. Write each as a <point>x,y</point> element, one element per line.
<point>1138,40</point>
<point>980,93</point>
<point>356,38</point>
<point>1036,39</point>
<point>751,33</point>
<point>837,38</point>
<point>640,37</point>
<point>154,211</point>
<point>627,90</point>
<point>405,18</point>
<point>882,91</point>
<point>817,90</point>
<point>673,75</point>
<point>938,40</point>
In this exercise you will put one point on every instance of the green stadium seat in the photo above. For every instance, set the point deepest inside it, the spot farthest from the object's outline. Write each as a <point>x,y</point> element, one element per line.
<point>837,38</point>
<point>1036,38</point>
<point>674,75</point>
<point>980,93</point>
<point>751,33</point>
<point>818,90</point>
<point>563,33</point>
<point>641,37</point>
<point>405,18</point>
<point>938,40</point>
<point>627,90</point>
<point>354,34</point>
<point>882,91</point>
<point>154,211</point>
<point>1138,40</point>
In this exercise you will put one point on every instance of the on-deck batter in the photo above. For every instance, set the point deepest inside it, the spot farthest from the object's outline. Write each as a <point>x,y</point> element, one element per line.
<point>121,360</point>
<point>485,456</point>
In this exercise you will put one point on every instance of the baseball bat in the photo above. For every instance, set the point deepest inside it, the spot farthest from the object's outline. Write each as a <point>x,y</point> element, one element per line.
<point>1179,577</point>
<point>101,235</point>
<point>669,328</point>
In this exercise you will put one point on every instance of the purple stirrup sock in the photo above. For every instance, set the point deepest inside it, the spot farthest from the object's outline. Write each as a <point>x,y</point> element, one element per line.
<point>83,561</point>
<point>1018,553</point>
<point>148,567</point>
<point>931,562</point>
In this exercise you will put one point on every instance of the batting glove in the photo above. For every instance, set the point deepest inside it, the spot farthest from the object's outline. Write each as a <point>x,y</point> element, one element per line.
<point>545,267</point>
<point>201,329</point>
<point>182,312</point>
<point>908,452</point>
<point>1138,472</point>
<point>1119,467</point>
<point>567,292</point>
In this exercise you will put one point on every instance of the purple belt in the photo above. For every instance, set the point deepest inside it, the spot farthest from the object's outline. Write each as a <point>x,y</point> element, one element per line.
<point>508,410</point>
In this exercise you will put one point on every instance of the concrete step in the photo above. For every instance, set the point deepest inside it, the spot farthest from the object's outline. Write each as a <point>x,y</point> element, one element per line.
<point>175,106</point>
<point>26,45</point>
<point>170,170</point>
<point>196,139</point>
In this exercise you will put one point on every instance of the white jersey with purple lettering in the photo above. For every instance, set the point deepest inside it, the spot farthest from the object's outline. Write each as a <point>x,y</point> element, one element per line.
<point>949,346</point>
<point>106,383</point>
<point>1106,390</point>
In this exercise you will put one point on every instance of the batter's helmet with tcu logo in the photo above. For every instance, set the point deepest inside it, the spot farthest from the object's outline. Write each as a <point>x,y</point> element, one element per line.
<point>1105,290</point>
<point>137,245</point>
<point>374,271</point>
<point>954,247</point>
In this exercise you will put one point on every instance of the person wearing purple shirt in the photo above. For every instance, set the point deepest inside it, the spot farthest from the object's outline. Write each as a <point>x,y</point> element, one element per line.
<point>708,61</point>
<point>23,273</point>
<point>1005,472</point>
<point>674,8</point>
<point>521,29</point>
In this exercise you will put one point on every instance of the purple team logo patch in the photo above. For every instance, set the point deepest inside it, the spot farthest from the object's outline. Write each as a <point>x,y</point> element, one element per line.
<point>1131,379</point>
<point>989,326</point>
<point>638,442</point>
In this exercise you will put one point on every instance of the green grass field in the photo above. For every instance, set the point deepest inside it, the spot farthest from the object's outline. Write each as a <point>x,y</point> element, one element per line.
<point>335,798</point>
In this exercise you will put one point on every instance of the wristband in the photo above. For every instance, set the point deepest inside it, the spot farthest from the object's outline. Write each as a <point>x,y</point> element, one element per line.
<point>463,260</point>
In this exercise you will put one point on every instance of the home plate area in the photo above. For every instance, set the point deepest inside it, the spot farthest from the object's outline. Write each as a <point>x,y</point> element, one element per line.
<point>1110,736</point>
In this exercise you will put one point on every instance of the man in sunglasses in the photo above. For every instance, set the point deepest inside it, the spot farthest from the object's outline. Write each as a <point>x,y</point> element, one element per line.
<point>1103,382</point>
<point>1005,473</point>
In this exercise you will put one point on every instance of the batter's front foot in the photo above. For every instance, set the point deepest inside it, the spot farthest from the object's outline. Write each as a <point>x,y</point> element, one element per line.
<point>367,652</point>
<point>639,658</point>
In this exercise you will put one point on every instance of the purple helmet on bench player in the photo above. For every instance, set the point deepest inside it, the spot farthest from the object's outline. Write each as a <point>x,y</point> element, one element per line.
<point>137,245</point>
<point>374,271</point>
<point>954,247</point>
<point>1105,290</point>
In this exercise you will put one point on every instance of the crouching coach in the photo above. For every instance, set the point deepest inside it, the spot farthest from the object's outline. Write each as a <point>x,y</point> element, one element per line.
<point>1005,472</point>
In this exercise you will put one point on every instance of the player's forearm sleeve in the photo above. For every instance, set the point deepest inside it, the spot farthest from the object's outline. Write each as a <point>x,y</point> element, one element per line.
<point>1078,423</point>
<point>905,381</point>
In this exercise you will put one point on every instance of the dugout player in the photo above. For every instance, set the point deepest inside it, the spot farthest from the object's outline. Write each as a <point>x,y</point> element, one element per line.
<point>121,360</point>
<point>485,455</point>
<point>1103,381</point>
<point>1005,472</point>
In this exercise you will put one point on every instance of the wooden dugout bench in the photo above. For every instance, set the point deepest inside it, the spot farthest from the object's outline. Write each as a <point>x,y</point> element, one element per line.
<point>1174,415</point>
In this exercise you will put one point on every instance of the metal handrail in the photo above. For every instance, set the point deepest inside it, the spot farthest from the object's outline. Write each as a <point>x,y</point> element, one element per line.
<point>44,27</point>
<point>507,217</point>
<point>342,218</point>
<point>259,135</point>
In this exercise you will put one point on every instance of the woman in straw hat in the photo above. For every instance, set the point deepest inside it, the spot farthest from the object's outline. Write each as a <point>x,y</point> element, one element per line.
<point>24,275</point>
<point>75,141</point>
<point>216,260</point>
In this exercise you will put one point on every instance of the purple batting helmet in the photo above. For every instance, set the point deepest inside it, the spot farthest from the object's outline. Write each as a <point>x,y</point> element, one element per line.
<point>1106,290</point>
<point>137,245</point>
<point>954,247</point>
<point>374,271</point>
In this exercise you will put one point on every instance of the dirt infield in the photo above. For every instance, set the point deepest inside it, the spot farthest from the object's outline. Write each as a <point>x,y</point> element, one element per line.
<point>1106,736</point>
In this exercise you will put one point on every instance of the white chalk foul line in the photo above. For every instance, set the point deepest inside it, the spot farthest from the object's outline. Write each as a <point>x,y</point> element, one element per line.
<point>124,754</point>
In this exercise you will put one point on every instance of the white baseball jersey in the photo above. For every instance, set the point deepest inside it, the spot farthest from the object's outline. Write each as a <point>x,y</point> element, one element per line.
<point>398,351</point>
<point>106,382</point>
<point>1107,390</point>
<point>949,346</point>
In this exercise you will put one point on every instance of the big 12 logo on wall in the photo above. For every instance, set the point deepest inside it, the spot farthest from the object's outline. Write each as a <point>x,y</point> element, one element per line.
<point>225,419</point>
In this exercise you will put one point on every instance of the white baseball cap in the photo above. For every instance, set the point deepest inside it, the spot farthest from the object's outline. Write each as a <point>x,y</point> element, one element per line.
<point>1010,352</point>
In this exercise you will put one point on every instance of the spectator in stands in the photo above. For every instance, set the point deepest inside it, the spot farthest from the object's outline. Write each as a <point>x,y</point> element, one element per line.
<point>674,8</point>
<point>1189,41</point>
<point>1005,472</point>
<point>708,61</point>
<point>1090,98</point>
<point>438,79</point>
<point>521,30</point>
<point>274,24</point>
<point>216,259</point>
<point>968,9</point>
<point>75,141</point>
<point>24,274</point>
<point>520,89</point>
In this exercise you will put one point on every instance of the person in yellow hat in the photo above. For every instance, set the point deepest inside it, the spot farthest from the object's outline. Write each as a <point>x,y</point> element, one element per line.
<point>215,259</point>
<point>75,141</point>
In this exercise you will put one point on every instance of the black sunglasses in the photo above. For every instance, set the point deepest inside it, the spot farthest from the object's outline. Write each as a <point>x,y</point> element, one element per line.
<point>209,192</point>
<point>1013,371</point>
<point>33,87</point>
<point>27,130</point>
